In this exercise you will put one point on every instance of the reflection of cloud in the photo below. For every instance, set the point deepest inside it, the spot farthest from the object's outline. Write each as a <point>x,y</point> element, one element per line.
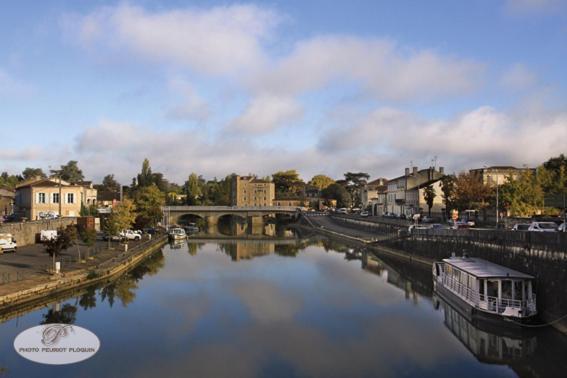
<point>267,302</point>
<point>390,346</point>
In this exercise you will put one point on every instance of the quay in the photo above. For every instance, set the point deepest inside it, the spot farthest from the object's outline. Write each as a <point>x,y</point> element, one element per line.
<point>25,293</point>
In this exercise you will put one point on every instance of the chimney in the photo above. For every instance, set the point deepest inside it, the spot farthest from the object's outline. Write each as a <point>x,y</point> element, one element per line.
<point>442,170</point>
<point>407,171</point>
<point>414,170</point>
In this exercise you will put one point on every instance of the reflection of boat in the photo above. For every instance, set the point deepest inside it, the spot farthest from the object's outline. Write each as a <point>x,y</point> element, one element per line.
<point>176,243</point>
<point>484,289</point>
<point>489,343</point>
<point>191,228</point>
<point>177,234</point>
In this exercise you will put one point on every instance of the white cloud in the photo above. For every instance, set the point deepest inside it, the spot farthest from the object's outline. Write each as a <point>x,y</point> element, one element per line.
<point>192,107</point>
<point>379,66</point>
<point>218,40</point>
<point>266,112</point>
<point>518,77</point>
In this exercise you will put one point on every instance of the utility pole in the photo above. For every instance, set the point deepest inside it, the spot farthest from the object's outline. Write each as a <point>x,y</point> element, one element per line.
<point>497,212</point>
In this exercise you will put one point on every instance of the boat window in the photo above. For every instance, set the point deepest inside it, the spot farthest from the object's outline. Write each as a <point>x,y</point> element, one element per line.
<point>492,288</point>
<point>507,289</point>
<point>518,290</point>
<point>481,286</point>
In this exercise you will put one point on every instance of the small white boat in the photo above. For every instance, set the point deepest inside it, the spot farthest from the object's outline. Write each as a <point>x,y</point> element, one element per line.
<point>177,233</point>
<point>484,289</point>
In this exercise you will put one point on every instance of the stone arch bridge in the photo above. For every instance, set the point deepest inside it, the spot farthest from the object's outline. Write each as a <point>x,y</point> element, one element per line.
<point>211,214</point>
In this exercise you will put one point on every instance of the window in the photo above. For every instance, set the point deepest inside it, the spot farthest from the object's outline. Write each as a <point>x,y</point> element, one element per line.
<point>55,197</point>
<point>40,197</point>
<point>70,198</point>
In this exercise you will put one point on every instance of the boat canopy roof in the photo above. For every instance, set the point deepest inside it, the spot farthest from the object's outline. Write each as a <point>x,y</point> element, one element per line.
<point>484,269</point>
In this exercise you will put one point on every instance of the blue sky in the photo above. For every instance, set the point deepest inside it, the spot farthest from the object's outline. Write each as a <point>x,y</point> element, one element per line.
<point>324,87</point>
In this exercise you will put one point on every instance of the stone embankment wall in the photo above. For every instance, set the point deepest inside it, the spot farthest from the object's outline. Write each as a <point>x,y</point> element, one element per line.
<point>27,232</point>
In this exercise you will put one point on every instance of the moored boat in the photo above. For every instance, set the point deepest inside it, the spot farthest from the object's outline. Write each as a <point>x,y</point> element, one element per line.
<point>485,289</point>
<point>177,233</point>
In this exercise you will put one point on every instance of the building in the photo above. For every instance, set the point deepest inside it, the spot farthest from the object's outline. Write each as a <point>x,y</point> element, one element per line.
<point>251,191</point>
<point>405,194</point>
<point>6,202</point>
<point>40,198</point>
<point>497,175</point>
<point>370,193</point>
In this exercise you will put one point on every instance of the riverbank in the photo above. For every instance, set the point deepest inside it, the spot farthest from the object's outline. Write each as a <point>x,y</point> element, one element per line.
<point>54,285</point>
<point>367,238</point>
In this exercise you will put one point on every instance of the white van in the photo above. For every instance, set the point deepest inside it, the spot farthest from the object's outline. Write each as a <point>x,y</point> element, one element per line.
<point>7,243</point>
<point>543,227</point>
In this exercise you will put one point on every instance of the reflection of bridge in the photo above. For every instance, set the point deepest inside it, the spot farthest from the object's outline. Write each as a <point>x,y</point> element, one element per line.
<point>211,214</point>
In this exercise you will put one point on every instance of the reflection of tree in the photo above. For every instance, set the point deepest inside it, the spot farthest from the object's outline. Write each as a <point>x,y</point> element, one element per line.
<point>3,371</point>
<point>124,288</point>
<point>88,300</point>
<point>67,315</point>
<point>193,248</point>
<point>288,250</point>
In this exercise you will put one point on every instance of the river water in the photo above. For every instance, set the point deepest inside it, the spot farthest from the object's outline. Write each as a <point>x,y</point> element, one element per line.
<point>290,308</point>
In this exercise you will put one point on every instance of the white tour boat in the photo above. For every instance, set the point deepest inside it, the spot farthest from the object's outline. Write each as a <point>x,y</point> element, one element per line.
<point>484,289</point>
<point>177,233</point>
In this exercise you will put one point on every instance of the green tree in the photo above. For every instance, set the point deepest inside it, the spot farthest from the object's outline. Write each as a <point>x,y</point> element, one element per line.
<point>321,181</point>
<point>57,245</point>
<point>193,189</point>
<point>30,173</point>
<point>522,196</point>
<point>339,193</point>
<point>110,184</point>
<point>9,181</point>
<point>448,192</point>
<point>429,196</point>
<point>70,172</point>
<point>121,218</point>
<point>149,201</point>
<point>145,177</point>
<point>287,182</point>
<point>354,182</point>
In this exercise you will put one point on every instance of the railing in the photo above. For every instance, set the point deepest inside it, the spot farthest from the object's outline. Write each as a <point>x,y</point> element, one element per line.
<point>492,304</point>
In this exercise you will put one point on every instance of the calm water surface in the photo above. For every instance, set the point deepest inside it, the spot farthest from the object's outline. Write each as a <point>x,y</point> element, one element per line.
<point>289,309</point>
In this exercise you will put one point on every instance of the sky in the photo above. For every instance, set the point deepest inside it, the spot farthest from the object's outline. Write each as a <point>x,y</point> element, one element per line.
<point>324,87</point>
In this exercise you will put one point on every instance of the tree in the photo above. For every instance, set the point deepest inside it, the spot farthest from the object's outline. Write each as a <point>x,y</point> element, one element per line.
<point>145,177</point>
<point>448,190</point>
<point>110,184</point>
<point>30,173</point>
<point>287,182</point>
<point>339,193</point>
<point>55,246</point>
<point>9,181</point>
<point>121,218</point>
<point>522,196</point>
<point>70,172</point>
<point>193,189</point>
<point>321,181</point>
<point>148,201</point>
<point>429,196</point>
<point>471,193</point>
<point>354,182</point>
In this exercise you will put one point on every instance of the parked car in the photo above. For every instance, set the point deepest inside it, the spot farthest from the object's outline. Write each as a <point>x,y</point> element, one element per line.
<point>562,227</point>
<point>130,235</point>
<point>543,227</point>
<point>47,235</point>
<point>364,214</point>
<point>7,243</point>
<point>342,210</point>
<point>521,227</point>
<point>355,210</point>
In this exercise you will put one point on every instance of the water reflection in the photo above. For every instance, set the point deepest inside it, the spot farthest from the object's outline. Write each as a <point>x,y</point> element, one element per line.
<point>309,307</point>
